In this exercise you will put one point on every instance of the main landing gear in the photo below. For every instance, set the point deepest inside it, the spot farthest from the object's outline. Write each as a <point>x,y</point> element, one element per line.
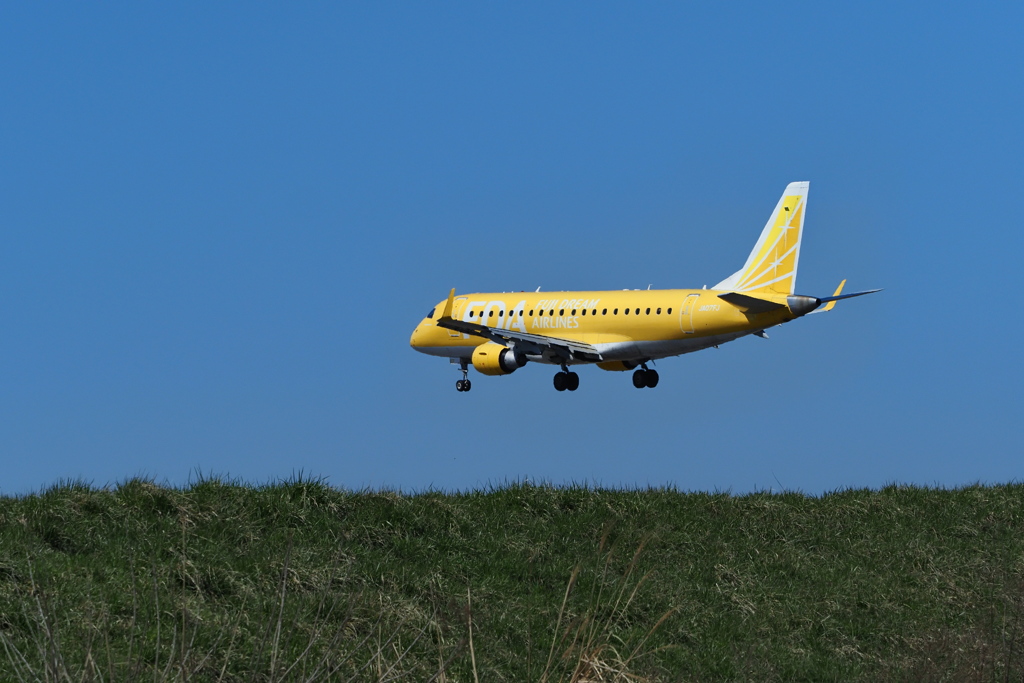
<point>464,384</point>
<point>567,380</point>
<point>645,378</point>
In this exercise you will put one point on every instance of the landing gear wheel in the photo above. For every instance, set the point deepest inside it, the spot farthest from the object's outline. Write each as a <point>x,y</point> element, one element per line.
<point>464,383</point>
<point>640,379</point>
<point>652,378</point>
<point>572,381</point>
<point>561,381</point>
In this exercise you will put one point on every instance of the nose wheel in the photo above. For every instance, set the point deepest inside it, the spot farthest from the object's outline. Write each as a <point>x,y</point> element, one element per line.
<point>645,378</point>
<point>567,380</point>
<point>464,384</point>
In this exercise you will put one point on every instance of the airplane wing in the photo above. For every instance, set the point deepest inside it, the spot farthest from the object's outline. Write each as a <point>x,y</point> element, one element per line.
<point>568,349</point>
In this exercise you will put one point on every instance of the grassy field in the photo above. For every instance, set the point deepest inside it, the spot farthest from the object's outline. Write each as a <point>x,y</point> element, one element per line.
<point>299,581</point>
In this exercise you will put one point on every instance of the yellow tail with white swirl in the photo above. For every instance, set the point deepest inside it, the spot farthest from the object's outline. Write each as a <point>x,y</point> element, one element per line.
<point>771,266</point>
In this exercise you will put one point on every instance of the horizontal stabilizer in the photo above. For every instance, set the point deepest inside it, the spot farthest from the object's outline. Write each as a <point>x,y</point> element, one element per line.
<point>750,304</point>
<point>848,296</point>
<point>830,301</point>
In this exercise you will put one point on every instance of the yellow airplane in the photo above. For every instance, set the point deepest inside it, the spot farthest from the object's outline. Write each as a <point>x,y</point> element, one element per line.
<point>500,333</point>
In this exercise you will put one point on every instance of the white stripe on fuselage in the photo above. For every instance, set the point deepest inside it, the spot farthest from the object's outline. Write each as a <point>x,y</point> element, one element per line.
<point>631,350</point>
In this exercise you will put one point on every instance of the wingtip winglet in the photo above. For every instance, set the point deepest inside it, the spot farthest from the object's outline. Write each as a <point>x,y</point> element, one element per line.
<point>449,305</point>
<point>832,304</point>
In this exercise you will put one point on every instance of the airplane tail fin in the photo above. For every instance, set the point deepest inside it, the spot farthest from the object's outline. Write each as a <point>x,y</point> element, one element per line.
<point>771,266</point>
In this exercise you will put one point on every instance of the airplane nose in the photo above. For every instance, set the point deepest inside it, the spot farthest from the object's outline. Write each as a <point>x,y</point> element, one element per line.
<point>415,335</point>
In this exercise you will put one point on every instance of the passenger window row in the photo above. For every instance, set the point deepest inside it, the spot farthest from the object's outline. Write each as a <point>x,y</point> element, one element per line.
<point>604,311</point>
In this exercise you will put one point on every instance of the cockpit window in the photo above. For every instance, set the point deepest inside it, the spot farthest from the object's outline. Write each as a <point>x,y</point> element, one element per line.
<point>431,314</point>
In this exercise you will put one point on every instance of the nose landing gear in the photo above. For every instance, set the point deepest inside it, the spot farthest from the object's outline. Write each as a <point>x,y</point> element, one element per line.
<point>567,380</point>
<point>645,378</point>
<point>464,384</point>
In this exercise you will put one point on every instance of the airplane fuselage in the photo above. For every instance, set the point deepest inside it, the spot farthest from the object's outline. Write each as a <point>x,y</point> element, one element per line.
<point>621,325</point>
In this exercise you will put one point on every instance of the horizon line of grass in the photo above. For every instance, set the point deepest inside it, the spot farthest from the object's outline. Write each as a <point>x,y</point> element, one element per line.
<point>301,478</point>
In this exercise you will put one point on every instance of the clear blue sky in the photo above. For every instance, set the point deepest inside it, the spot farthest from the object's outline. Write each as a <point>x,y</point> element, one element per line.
<point>220,223</point>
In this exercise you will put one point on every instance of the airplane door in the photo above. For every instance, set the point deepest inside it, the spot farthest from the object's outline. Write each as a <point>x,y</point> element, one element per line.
<point>457,306</point>
<point>686,313</point>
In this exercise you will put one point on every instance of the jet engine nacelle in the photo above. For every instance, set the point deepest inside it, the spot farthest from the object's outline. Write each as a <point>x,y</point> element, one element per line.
<point>618,365</point>
<point>495,359</point>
